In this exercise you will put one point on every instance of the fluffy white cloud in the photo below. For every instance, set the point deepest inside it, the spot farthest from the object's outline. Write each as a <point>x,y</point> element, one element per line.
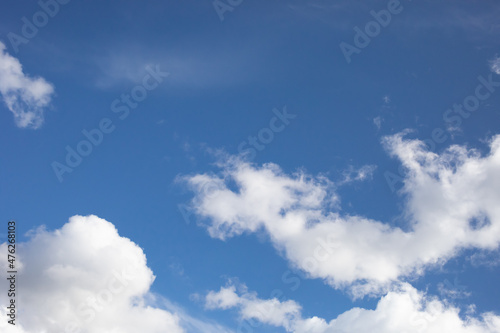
<point>26,97</point>
<point>224,299</point>
<point>83,278</point>
<point>452,204</point>
<point>403,310</point>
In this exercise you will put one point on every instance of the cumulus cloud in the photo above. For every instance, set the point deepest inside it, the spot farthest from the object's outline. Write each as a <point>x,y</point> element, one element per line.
<point>404,309</point>
<point>452,204</point>
<point>86,278</point>
<point>24,96</point>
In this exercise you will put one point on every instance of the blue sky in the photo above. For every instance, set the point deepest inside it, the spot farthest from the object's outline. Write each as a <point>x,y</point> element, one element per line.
<point>225,221</point>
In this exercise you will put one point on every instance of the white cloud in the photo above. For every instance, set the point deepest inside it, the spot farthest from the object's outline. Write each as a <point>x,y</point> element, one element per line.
<point>495,65</point>
<point>26,97</point>
<point>83,277</point>
<point>352,174</point>
<point>452,204</point>
<point>192,324</point>
<point>271,311</point>
<point>378,122</point>
<point>404,309</point>
<point>224,299</point>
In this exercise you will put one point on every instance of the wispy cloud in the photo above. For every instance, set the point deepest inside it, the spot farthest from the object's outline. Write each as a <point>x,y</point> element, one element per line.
<point>194,324</point>
<point>495,65</point>
<point>192,68</point>
<point>352,174</point>
<point>377,121</point>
